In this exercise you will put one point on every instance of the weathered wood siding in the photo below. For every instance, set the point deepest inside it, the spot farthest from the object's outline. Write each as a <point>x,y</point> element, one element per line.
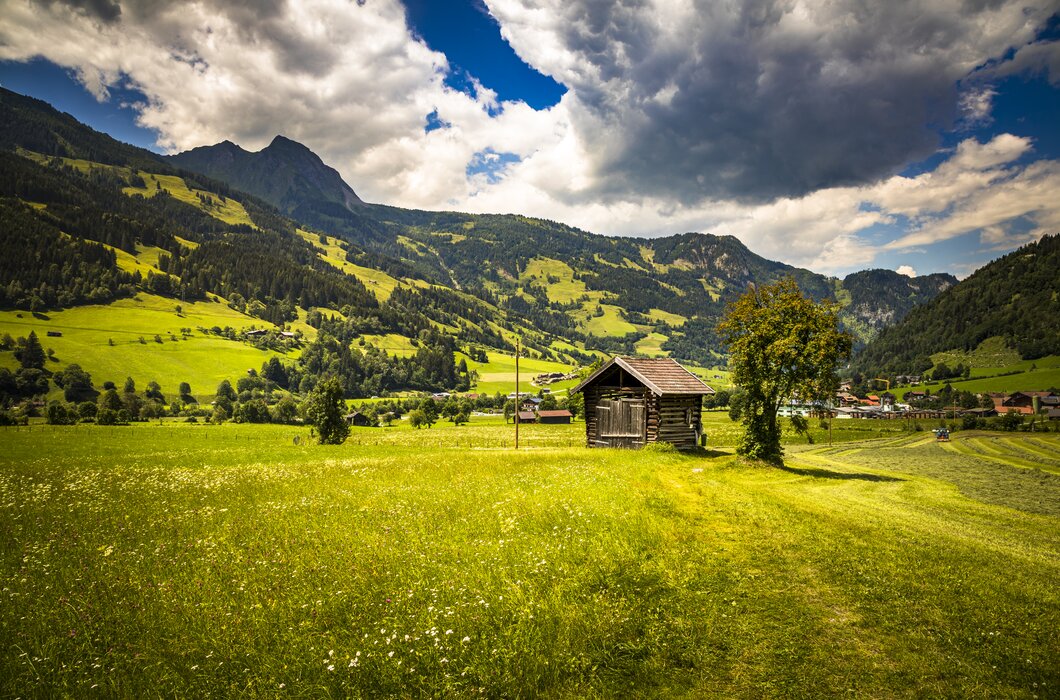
<point>598,397</point>
<point>677,421</point>
<point>632,417</point>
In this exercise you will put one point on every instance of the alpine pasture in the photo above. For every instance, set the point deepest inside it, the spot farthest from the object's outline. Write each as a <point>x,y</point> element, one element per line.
<point>193,560</point>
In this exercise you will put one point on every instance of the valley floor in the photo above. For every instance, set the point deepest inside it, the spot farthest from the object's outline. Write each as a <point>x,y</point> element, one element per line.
<point>189,560</point>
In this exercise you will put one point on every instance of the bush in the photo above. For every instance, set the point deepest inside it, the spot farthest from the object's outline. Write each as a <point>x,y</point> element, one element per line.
<point>58,414</point>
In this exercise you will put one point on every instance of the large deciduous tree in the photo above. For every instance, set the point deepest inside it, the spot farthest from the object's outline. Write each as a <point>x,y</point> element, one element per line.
<point>782,345</point>
<point>325,410</point>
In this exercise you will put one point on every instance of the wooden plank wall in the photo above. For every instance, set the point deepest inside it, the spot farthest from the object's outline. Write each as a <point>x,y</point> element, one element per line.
<point>673,414</point>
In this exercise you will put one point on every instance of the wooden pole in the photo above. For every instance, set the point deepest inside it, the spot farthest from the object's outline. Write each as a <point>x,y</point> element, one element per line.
<point>517,393</point>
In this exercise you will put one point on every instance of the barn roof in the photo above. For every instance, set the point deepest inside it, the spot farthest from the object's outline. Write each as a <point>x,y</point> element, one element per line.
<point>559,413</point>
<point>662,375</point>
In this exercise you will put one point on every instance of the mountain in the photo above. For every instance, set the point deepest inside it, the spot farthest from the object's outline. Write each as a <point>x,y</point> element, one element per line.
<point>880,298</point>
<point>289,176</point>
<point>279,235</point>
<point>686,278</point>
<point>1016,297</point>
<point>285,173</point>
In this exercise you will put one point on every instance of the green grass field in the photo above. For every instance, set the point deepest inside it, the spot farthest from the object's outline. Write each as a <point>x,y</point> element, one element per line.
<point>1041,379</point>
<point>499,374</point>
<point>610,323</point>
<point>381,284</point>
<point>87,331</point>
<point>186,560</point>
<point>651,345</point>
<point>567,289</point>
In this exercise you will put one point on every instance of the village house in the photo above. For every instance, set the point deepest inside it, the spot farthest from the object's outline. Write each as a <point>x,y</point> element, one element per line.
<point>630,402</point>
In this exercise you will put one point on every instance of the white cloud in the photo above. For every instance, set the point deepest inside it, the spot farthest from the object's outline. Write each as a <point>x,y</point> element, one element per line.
<point>781,123</point>
<point>906,270</point>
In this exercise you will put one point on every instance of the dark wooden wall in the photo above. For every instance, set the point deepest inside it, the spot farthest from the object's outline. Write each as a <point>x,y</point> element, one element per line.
<point>678,420</point>
<point>673,419</point>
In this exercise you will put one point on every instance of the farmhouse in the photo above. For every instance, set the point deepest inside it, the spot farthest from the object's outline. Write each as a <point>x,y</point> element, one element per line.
<point>630,402</point>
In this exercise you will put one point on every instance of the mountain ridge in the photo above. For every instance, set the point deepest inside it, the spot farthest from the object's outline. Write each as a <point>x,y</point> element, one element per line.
<point>285,173</point>
<point>567,290</point>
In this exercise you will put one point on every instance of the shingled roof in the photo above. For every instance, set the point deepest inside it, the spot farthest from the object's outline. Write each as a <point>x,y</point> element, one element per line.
<point>662,375</point>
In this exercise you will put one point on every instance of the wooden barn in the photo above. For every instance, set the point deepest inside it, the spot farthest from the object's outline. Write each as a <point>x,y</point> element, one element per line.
<point>630,402</point>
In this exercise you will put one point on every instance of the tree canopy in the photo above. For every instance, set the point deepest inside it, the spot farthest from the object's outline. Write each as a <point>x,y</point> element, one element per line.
<point>782,345</point>
<point>325,411</point>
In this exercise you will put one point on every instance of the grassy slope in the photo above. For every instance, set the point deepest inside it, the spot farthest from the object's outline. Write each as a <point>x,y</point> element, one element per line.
<point>228,210</point>
<point>567,289</point>
<point>332,252</point>
<point>182,560</point>
<point>651,345</point>
<point>1046,375</point>
<point>202,361</point>
<point>499,374</point>
<point>611,323</point>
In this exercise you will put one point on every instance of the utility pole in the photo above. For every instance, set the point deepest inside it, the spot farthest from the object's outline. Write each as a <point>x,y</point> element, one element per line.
<point>517,397</point>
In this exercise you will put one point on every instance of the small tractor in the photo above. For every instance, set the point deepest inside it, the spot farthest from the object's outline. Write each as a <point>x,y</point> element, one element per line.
<point>942,435</point>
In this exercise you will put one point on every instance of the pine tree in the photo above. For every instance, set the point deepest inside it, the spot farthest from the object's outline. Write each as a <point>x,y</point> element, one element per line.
<point>32,355</point>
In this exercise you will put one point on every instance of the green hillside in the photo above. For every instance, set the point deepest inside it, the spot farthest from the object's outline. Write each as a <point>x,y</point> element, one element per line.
<point>1015,298</point>
<point>106,341</point>
<point>391,299</point>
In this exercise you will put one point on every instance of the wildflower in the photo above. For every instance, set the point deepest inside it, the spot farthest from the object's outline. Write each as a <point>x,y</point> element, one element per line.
<point>331,667</point>
<point>466,639</point>
<point>390,655</point>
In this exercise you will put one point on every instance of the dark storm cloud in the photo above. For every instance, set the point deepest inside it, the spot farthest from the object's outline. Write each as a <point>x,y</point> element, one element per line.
<point>761,100</point>
<point>104,10</point>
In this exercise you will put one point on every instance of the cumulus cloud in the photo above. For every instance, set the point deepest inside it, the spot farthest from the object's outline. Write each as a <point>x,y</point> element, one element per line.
<point>781,122</point>
<point>906,270</point>
<point>758,100</point>
<point>347,79</point>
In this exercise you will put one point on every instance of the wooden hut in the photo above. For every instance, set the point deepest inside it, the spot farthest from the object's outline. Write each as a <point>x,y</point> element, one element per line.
<point>358,419</point>
<point>630,402</point>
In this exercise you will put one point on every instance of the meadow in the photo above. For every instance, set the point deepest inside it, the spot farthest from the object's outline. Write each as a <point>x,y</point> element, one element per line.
<point>118,340</point>
<point>188,560</point>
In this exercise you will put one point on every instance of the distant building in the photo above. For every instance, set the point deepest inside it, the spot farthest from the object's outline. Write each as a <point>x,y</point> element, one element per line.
<point>358,419</point>
<point>558,416</point>
<point>527,417</point>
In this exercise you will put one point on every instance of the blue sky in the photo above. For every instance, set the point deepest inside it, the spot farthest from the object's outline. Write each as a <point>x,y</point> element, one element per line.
<point>919,137</point>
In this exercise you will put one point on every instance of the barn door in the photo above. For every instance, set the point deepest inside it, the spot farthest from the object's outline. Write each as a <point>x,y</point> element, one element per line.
<point>621,422</point>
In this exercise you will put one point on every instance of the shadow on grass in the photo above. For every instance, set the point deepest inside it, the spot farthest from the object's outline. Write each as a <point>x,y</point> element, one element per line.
<point>818,473</point>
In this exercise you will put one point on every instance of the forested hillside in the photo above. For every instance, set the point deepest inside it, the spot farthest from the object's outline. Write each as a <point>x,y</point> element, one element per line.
<point>1016,297</point>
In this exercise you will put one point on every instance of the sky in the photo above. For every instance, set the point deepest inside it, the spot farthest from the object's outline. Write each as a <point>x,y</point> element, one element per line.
<point>838,135</point>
